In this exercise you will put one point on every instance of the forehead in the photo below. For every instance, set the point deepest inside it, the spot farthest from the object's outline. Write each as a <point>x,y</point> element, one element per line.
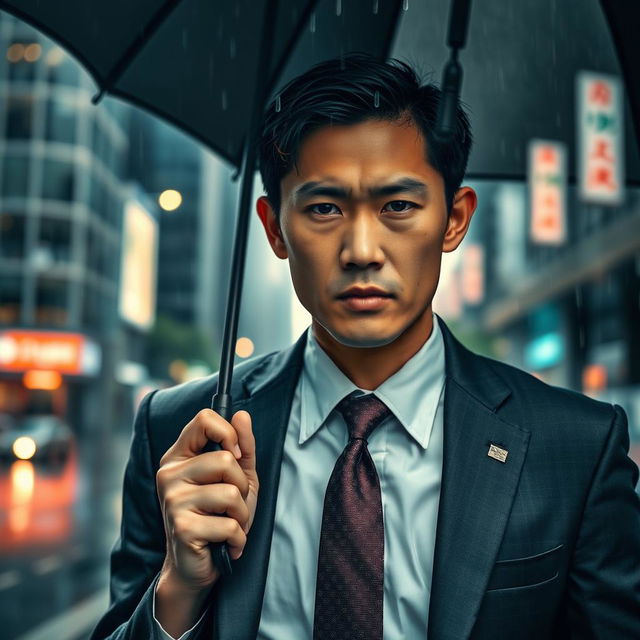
<point>359,154</point>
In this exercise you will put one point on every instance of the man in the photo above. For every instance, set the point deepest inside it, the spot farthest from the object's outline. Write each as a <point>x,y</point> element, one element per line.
<point>478,503</point>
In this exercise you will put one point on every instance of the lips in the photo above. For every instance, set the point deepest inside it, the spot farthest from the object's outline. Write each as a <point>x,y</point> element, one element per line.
<point>364,292</point>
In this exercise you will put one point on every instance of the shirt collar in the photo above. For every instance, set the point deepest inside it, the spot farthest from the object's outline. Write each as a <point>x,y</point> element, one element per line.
<point>412,393</point>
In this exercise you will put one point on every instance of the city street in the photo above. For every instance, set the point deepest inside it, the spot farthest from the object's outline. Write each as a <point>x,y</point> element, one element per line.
<point>56,532</point>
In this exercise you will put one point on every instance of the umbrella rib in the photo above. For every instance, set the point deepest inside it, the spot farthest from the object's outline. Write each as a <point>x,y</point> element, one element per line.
<point>136,46</point>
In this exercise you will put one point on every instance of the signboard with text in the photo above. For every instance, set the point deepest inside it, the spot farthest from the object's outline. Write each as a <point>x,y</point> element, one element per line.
<point>547,175</point>
<point>600,138</point>
<point>67,353</point>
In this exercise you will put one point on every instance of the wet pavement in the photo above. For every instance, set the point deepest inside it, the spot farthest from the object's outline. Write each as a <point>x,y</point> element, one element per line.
<point>57,527</point>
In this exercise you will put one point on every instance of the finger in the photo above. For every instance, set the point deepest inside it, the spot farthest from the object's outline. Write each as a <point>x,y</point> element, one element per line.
<point>216,499</point>
<point>211,467</point>
<point>216,529</point>
<point>206,425</point>
<point>241,421</point>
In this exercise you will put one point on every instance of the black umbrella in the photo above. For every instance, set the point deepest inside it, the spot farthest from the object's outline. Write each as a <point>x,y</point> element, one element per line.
<point>209,68</point>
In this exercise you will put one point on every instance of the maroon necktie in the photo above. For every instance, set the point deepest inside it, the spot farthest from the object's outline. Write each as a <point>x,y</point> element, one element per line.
<point>349,587</point>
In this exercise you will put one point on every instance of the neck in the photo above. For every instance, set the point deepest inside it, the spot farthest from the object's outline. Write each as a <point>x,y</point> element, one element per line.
<point>369,367</point>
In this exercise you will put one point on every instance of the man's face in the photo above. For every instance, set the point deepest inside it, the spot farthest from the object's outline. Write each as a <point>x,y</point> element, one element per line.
<point>344,224</point>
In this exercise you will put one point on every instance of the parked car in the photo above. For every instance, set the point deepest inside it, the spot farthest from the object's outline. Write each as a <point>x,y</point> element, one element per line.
<point>40,438</point>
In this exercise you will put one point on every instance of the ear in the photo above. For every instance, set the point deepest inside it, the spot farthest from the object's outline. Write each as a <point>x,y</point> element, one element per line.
<point>271,226</point>
<point>464,205</point>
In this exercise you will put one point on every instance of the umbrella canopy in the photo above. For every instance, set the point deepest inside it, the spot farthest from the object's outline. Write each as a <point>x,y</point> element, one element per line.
<point>196,63</point>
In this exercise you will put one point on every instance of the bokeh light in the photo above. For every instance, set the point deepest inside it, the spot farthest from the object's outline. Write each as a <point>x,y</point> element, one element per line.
<point>244,347</point>
<point>170,199</point>
<point>33,52</point>
<point>24,447</point>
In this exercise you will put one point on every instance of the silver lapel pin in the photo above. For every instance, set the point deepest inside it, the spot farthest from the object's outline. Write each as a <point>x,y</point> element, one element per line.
<point>497,453</point>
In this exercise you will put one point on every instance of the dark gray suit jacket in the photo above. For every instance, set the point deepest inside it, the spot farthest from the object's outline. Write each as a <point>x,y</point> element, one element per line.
<point>544,545</point>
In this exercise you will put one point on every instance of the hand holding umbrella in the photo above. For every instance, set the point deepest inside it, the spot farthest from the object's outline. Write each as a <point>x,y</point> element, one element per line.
<point>191,486</point>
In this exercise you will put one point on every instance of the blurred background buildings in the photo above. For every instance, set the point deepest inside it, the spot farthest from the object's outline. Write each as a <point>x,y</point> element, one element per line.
<point>116,235</point>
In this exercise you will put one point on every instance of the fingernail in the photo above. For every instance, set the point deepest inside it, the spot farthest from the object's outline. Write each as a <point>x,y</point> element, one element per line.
<point>237,451</point>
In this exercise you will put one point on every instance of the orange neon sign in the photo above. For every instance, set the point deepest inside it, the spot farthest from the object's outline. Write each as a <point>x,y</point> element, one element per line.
<point>22,350</point>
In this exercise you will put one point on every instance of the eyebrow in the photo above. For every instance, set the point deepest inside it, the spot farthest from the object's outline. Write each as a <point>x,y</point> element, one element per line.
<point>319,188</point>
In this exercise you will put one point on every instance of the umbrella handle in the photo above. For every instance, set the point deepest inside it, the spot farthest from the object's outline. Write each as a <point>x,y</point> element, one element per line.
<point>221,404</point>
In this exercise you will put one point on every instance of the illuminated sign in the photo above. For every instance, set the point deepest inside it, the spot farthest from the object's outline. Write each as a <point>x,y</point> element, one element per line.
<point>137,302</point>
<point>544,351</point>
<point>600,136</point>
<point>547,175</point>
<point>66,353</point>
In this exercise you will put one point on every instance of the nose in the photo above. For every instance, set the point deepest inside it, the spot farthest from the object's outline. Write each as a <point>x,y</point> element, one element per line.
<point>361,243</point>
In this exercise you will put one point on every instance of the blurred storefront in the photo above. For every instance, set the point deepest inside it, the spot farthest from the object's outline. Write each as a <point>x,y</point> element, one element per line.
<point>40,371</point>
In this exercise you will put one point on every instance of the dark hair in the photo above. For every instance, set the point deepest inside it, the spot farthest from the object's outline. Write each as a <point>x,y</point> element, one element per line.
<point>349,90</point>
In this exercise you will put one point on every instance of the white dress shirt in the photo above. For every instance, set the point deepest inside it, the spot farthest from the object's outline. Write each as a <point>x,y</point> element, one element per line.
<point>407,451</point>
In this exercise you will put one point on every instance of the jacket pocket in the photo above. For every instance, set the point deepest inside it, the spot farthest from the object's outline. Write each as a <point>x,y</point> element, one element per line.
<point>526,572</point>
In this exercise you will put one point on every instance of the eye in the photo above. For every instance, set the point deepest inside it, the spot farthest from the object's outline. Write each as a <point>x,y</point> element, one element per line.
<point>402,203</point>
<point>312,208</point>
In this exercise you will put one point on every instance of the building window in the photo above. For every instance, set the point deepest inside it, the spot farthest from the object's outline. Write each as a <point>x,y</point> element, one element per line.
<point>58,180</point>
<point>94,250</point>
<point>101,202</point>
<point>60,121</point>
<point>51,301</point>
<point>55,238</point>
<point>12,228</point>
<point>91,308</point>
<point>19,117</point>
<point>102,144</point>
<point>15,176</point>
<point>10,296</point>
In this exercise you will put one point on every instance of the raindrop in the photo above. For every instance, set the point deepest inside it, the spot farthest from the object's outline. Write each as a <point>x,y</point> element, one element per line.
<point>338,7</point>
<point>312,23</point>
<point>185,35</point>
<point>224,99</point>
<point>405,5</point>
<point>232,48</point>
<point>376,99</point>
<point>375,7</point>
<point>278,104</point>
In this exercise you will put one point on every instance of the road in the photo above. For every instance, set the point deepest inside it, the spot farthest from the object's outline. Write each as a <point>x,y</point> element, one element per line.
<point>56,532</point>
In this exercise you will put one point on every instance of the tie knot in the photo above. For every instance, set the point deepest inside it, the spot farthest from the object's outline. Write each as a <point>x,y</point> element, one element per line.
<point>362,414</point>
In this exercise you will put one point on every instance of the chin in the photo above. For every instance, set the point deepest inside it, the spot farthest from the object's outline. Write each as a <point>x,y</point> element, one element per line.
<point>359,337</point>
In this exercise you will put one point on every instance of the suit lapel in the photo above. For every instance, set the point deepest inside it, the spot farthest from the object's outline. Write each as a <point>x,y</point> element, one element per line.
<point>268,392</point>
<point>477,490</point>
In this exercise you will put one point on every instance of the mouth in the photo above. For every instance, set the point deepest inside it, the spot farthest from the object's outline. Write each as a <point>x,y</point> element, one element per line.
<point>366,292</point>
<point>364,298</point>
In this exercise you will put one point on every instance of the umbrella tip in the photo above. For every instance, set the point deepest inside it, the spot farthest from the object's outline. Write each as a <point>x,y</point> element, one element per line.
<point>98,96</point>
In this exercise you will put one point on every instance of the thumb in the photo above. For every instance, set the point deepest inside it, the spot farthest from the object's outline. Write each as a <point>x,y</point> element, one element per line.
<point>241,422</point>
